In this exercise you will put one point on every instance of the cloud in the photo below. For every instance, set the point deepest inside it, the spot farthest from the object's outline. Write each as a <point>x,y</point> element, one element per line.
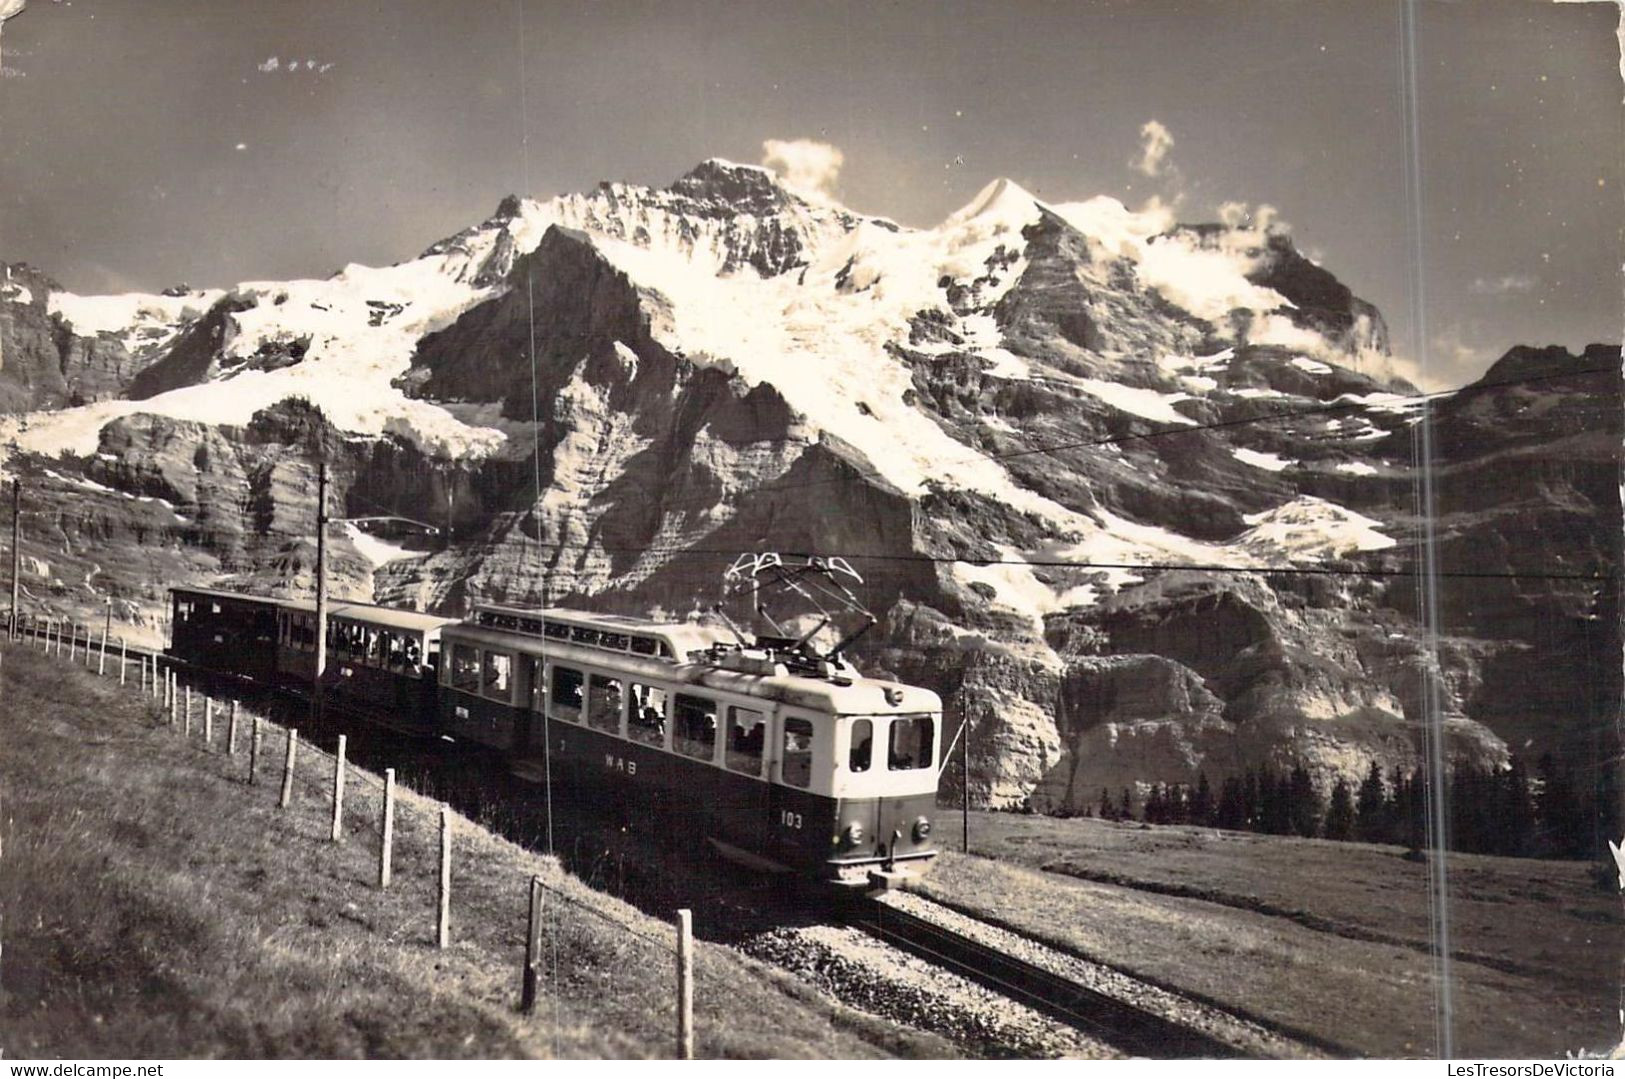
<point>1502,286</point>
<point>808,166</point>
<point>1262,218</point>
<point>1155,143</point>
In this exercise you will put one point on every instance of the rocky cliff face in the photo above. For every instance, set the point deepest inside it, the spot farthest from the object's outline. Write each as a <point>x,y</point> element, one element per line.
<point>1138,498</point>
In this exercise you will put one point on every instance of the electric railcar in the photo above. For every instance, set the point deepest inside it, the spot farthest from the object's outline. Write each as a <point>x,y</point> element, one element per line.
<point>781,759</point>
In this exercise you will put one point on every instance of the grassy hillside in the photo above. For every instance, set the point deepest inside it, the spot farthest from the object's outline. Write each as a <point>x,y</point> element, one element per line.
<point>1332,939</point>
<point>155,905</point>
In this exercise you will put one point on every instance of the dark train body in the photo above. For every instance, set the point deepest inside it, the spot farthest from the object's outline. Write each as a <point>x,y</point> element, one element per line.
<point>780,759</point>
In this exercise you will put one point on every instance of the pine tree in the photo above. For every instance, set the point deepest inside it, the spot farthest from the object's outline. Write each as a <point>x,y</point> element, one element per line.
<point>1303,804</point>
<point>1252,802</point>
<point>1369,809</point>
<point>1127,810</point>
<point>1202,802</point>
<point>1106,812</point>
<point>1519,811</point>
<point>1232,811</point>
<point>1340,812</point>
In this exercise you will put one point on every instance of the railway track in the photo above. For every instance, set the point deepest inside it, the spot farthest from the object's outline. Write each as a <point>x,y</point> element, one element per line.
<point>1123,1024</point>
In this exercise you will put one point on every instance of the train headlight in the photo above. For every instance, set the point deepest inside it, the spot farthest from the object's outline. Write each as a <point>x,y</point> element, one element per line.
<point>853,834</point>
<point>922,829</point>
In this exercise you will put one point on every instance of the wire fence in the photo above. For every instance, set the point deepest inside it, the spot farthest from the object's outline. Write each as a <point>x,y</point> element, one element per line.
<point>590,958</point>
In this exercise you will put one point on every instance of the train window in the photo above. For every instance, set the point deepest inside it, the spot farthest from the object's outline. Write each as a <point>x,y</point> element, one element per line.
<point>465,668</point>
<point>863,744</point>
<point>747,729</point>
<point>694,732</point>
<point>375,647</point>
<point>499,676</point>
<point>911,743</point>
<point>396,645</point>
<point>414,654</point>
<point>215,608</point>
<point>566,696</point>
<point>647,721</point>
<point>643,646</point>
<point>530,625</point>
<point>558,631</point>
<point>183,610</point>
<point>616,641</point>
<point>604,704</point>
<point>796,767</point>
<point>583,635</point>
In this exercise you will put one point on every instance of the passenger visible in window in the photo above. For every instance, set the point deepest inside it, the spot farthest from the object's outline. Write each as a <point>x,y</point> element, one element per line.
<point>863,744</point>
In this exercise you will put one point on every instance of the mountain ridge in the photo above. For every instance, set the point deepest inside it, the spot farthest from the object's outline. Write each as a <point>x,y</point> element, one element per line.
<point>1024,420</point>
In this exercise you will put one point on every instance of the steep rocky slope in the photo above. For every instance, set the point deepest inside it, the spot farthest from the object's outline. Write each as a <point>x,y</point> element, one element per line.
<point>1139,498</point>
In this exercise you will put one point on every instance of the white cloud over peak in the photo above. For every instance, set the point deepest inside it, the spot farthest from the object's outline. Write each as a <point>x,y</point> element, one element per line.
<point>1502,286</point>
<point>809,166</point>
<point>1155,143</point>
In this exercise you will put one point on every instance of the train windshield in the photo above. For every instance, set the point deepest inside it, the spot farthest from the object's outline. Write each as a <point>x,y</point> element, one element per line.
<point>912,743</point>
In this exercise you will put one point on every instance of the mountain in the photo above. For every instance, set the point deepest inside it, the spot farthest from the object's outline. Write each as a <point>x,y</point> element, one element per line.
<point>1138,497</point>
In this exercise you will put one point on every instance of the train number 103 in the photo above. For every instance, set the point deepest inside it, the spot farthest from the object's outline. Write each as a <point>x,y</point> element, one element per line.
<point>789,819</point>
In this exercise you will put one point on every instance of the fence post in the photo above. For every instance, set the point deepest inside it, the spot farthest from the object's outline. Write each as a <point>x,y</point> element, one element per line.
<point>208,722</point>
<point>685,985</point>
<point>445,876</point>
<point>188,727</point>
<point>254,753</point>
<point>123,662</point>
<point>231,732</point>
<point>101,660</point>
<point>174,699</point>
<point>386,843</point>
<point>338,793</point>
<point>287,769</point>
<point>533,949</point>
<point>73,640</point>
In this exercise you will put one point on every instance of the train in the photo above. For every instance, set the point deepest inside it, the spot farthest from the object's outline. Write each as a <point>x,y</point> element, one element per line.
<point>782,759</point>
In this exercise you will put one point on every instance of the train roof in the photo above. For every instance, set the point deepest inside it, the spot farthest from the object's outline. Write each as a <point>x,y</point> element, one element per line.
<point>680,638</point>
<point>219,593</point>
<point>373,614</point>
<point>740,672</point>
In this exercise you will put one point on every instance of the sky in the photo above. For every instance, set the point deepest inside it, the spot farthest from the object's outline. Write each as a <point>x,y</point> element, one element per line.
<point>145,144</point>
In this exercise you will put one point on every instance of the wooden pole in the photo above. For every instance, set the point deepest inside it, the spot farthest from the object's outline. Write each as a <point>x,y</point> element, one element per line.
<point>208,722</point>
<point>107,630</point>
<point>533,950</point>
<point>123,661</point>
<point>445,876</point>
<point>254,753</point>
<point>386,844</point>
<point>964,783</point>
<point>231,732</point>
<point>188,727</point>
<point>685,985</point>
<point>16,552</point>
<point>338,792</point>
<point>287,769</point>
<point>73,640</point>
<point>174,699</point>
<point>321,591</point>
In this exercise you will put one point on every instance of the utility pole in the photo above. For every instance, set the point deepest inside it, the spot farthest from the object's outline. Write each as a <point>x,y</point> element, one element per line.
<point>16,552</point>
<point>321,590</point>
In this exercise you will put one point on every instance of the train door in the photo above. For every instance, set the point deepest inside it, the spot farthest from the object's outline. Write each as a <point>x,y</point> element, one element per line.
<point>799,834</point>
<point>745,798</point>
<point>528,738</point>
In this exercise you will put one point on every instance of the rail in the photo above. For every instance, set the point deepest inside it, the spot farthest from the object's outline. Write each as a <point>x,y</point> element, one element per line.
<point>1120,1023</point>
